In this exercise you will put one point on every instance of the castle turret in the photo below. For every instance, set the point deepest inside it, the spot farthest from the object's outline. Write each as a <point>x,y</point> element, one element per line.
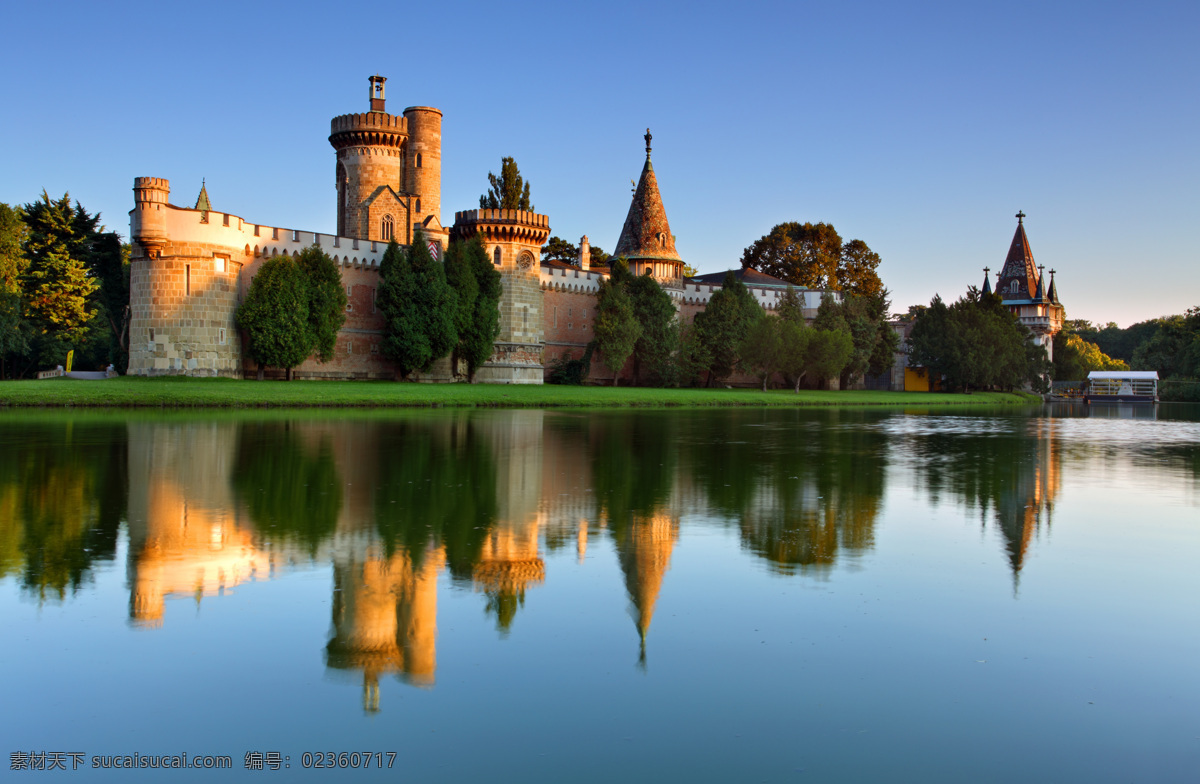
<point>585,254</point>
<point>372,202</point>
<point>646,240</point>
<point>513,240</point>
<point>148,219</point>
<point>423,157</point>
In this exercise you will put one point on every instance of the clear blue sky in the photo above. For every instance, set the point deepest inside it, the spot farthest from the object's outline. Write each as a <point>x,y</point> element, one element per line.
<point>919,128</point>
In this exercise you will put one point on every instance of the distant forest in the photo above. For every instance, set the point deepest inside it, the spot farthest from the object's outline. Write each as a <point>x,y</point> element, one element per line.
<point>1170,345</point>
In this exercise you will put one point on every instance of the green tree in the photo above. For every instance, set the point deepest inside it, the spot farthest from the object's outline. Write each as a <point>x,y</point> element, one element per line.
<point>508,191</point>
<point>14,331</point>
<point>813,255</point>
<point>558,249</point>
<point>828,352</point>
<point>109,264</point>
<point>762,349</point>
<point>418,307</point>
<point>793,350</point>
<point>617,329</point>
<point>721,328</point>
<point>655,312</point>
<point>478,286</point>
<point>57,284</point>
<point>326,300</point>
<point>274,315</point>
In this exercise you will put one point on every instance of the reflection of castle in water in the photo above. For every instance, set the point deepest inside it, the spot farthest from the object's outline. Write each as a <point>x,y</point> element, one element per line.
<point>1029,501</point>
<point>395,504</point>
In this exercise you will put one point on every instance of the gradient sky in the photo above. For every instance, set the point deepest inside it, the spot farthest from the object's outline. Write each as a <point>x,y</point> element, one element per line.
<point>920,128</point>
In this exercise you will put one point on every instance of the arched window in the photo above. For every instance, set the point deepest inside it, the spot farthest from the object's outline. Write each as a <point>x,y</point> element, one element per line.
<point>496,256</point>
<point>418,160</point>
<point>418,205</point>
<point>386,228</point>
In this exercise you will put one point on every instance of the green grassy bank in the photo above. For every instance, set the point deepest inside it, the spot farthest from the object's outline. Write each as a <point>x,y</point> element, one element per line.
<point>158,392</point>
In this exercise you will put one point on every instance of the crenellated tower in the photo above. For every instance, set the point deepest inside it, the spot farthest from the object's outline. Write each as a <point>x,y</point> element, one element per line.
<point>513,240</point>
<point>389,170</point>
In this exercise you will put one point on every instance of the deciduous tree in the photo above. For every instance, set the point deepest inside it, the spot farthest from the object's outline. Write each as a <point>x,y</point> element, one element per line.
<point>326,300</point>
<point>722,326</point>
<point>274,315</point>
<point>813,255</point>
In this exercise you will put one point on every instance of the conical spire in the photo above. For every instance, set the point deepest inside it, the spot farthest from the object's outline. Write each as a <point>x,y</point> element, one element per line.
<point>987,283</point>
<point>1053,293</point>
<point>1041,294</point>
<point>646,234</point>
<point>644,551</point>
<point>202,202</point>
<point>1018,268</point>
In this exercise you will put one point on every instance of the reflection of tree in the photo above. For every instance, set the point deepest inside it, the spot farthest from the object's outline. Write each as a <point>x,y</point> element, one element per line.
<point>63,495</point>
<point>804,486</point>
<point>291,490</point>
<point>633,463</point>
<point>1013,470</point>
<point>436,484</point>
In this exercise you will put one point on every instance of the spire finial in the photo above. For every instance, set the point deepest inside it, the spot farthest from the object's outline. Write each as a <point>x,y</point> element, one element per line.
<point>986,270</point>
<point>648,137</point>
<point>1020,216</point>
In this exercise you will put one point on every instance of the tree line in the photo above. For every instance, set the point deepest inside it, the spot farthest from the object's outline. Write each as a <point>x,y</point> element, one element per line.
<point>296,305</point>
<point>1169,345</point>
<point>64,285</point>
<point>637,326</point>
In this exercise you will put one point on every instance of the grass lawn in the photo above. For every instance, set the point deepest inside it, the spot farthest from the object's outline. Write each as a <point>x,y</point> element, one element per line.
<point>217,392</point>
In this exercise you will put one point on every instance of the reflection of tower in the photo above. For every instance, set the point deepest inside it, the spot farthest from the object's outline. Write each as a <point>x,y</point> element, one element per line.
<point>1022,509</point>
<point>385,617</point>
<point>510,563</point>
<point>644,548</point>
<point>184,537</point>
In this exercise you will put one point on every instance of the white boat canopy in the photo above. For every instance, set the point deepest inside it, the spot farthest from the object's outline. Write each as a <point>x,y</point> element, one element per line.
<point>1123,375</point>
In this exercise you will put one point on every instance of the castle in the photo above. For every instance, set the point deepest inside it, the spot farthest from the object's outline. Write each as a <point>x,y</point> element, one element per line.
<point>1022,289</point>
<point>191,267</point>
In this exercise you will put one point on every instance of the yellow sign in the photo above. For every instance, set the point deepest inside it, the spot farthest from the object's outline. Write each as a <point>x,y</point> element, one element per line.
<point>70,359</point>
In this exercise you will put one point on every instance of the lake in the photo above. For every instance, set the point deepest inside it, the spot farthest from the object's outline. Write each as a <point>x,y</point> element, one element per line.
<point>527,595</point>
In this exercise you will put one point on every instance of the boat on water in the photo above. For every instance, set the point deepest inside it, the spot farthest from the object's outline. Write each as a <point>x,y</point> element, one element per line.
<point>1121,386</point>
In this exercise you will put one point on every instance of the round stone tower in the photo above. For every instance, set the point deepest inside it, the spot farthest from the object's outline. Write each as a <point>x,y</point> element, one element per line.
<point>370,171</point>
<point>148,221</point>
<point>424,161</point>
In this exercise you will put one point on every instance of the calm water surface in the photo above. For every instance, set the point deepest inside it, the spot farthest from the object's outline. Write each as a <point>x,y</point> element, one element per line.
<point>598,596</point>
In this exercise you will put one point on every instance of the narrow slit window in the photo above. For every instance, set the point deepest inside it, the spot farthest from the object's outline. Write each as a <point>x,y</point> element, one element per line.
<point>187,280</point>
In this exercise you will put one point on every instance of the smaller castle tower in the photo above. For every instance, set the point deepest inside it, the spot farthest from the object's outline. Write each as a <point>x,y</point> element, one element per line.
<point>646,240</point>
<point>513,239</point>
<point>1022,291</point>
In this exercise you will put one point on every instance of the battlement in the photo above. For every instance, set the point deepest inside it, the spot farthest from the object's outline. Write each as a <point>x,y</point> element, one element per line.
<point>151,189</point>
<point>369,121</point>
<point>371,129</point>
<point>506,225</point>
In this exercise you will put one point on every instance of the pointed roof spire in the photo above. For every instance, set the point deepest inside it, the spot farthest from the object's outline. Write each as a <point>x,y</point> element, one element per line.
<point>646,233</point>
<point>1041,294</point>
<point>202,202</point>
<point>1053,293</point>
<point>1019,267</point>
<point>987,283</point>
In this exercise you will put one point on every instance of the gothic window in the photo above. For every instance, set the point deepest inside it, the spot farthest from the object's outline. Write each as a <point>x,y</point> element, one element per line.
<point>496,256</point>
<point>387,228</point>
<point>418,205</point>
<point>418,164</point>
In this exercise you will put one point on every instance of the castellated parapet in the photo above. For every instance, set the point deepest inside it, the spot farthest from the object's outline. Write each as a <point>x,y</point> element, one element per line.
<point>513,240</point>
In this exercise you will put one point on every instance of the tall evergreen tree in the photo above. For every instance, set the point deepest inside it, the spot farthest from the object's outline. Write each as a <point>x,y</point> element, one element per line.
<point>478,286</point>
<point>655,312</point>
<point>508,191</point>
<point>274,315</point>
<point>109,263</point>
<point>326,300</point>
<point>58,287</point>
<point>14,338</point>
<point>616,328</point>
<point>418,307</point>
